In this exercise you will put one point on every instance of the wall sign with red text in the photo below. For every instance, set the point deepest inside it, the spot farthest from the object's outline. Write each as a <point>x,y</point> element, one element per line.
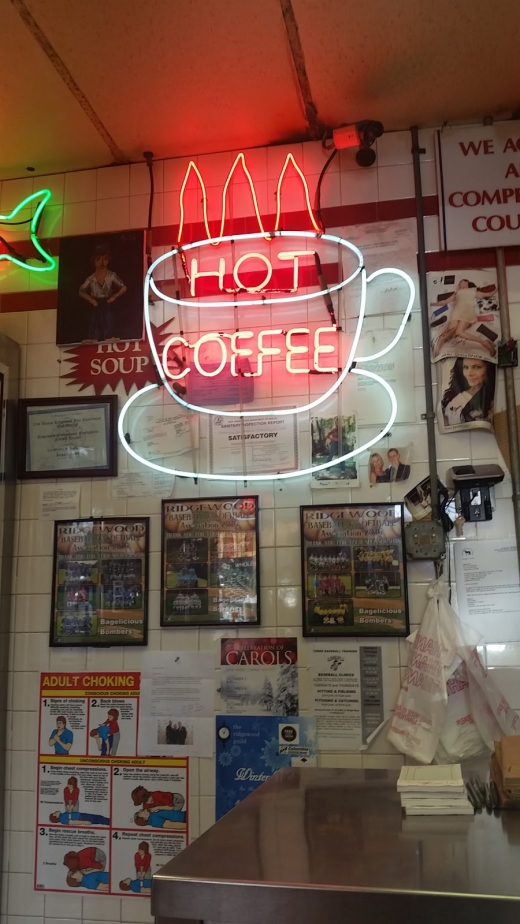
<point>123,365</point>
<point>479,185</point>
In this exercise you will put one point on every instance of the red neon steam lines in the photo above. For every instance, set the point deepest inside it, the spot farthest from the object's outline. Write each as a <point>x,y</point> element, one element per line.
<point>240,159</point>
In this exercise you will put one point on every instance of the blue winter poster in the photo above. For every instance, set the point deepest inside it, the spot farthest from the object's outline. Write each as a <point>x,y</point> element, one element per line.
<point>251,748</point>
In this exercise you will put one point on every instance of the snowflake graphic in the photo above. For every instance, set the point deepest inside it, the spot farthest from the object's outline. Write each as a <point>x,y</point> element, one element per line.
<point>309,734</point>
<point>227,799</point>
<point>271,756</point>
<point>235,750</point>
<point>225,759</point>
<point>255,726</point>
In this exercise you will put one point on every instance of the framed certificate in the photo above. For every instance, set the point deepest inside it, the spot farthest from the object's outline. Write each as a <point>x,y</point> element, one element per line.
<point>100,582</point>
<point>354,570</point>
<point>67,437</point>
<point>210,574</point>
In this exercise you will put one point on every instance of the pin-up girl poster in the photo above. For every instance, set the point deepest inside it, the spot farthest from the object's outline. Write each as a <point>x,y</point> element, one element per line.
<point>464,314</point>
<point>100,288</point>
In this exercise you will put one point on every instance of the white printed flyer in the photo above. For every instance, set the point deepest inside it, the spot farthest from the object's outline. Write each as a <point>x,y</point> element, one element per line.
<point>348,695</point>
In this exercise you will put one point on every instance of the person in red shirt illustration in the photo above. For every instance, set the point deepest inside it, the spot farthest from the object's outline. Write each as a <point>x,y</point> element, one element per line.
<point>154,801</point>
<point>87,860</point>
<point>114,733</point>
<point>71,795</point>
<point>143,860</point>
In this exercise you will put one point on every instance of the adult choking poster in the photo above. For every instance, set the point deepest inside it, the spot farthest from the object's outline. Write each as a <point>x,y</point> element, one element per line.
<point>107,820</point>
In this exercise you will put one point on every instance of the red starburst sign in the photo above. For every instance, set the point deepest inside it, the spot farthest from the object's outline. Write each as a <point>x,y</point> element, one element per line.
<point>110,365</point>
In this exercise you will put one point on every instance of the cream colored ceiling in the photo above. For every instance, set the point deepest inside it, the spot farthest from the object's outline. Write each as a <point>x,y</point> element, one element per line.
<point>194,76</point>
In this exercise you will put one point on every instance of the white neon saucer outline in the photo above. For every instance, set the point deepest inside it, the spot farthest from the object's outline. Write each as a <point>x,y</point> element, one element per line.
<point>246,476</point>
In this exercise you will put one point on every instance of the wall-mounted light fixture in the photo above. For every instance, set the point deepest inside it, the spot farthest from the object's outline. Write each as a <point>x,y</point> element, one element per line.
<point>362,135</point>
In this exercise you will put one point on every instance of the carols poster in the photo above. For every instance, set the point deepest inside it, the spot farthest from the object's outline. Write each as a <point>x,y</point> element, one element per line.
<point>106,819</point>
<point>259,676</point>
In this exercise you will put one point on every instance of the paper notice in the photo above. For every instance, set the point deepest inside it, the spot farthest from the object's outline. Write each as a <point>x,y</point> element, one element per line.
<point>164,431</point>
<point>177,704</point>
<point>163,484</point>
<point>60,502</point>
<point>131,484</point>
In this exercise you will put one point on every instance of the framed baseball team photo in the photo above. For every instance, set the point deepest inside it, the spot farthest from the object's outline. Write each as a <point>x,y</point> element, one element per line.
<point>100,582</point>
<point>210,572</point>
<point>354,570</point>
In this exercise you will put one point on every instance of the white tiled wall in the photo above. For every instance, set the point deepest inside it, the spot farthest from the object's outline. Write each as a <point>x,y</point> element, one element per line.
<point>113,199</point>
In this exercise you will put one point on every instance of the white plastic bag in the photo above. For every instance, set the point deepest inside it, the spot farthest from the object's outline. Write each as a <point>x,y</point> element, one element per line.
<point>421,705</point>
<point>491,710</point>
<point>460,738</point>
<point>441,647</point>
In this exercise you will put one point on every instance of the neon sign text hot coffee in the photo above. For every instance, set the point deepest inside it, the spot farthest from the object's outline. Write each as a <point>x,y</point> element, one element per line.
<point>271,305</point>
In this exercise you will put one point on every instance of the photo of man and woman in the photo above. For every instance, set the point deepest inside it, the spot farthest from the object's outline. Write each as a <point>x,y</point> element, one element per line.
<point>392,465</point>
<point>464,314</point>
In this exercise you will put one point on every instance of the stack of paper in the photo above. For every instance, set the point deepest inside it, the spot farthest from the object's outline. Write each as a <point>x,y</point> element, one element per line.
<point>436,790</point>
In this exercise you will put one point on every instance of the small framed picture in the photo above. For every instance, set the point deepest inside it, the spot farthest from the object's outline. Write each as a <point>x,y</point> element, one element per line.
<point>354,570</point>
<point>100,288</point>
<point>210,573</point>
<point>67,437</point>
<point>100,582</point>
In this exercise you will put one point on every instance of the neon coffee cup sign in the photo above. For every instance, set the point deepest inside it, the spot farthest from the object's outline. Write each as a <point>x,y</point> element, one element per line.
<point>225,331</point>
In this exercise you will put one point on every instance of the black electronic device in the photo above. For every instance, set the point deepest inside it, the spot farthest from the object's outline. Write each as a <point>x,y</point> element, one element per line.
<point>473,484</point>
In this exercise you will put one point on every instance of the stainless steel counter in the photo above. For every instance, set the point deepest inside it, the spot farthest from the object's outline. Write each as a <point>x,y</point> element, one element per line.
<point>319,846</point>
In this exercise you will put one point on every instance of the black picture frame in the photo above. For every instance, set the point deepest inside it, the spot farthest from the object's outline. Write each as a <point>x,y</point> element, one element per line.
<point>78,593</point>
<point>341,561</point>
<point>103,314</point>
<point>78,407</point>
<point>197,535</point>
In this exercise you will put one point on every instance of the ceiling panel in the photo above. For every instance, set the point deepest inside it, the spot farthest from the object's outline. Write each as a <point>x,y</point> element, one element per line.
<point>197,76</point>
<point>40,123</point>
<point>411,61</point>
<point>179,77</point>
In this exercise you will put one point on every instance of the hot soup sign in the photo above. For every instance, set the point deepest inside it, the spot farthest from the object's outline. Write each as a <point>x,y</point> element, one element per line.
<point>257,306</point>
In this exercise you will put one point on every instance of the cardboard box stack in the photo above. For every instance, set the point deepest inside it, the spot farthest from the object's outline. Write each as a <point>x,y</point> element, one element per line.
<point>437,790</point>
<point>505,770</point>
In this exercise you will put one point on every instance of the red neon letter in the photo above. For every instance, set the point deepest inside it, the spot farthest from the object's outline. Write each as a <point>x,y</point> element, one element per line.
<point>239,351</point>
<point>266,351</point>
<point>218,273</point>
<point>252,256</point>
<point>295,350</point>
<point>293,255</point>
<point>165,365</point>
<point>326,348</point>
<point>215,338</point>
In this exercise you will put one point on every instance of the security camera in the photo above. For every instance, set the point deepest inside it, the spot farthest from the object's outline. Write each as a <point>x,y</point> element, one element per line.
<point>362,135</point>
